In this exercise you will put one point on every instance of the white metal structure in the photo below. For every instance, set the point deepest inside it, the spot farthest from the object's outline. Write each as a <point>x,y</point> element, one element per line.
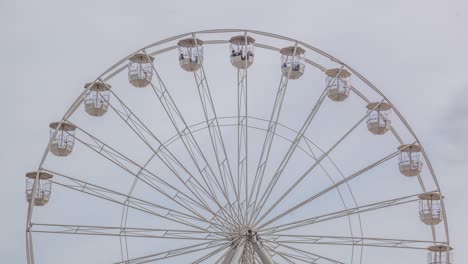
<point>240,188</point>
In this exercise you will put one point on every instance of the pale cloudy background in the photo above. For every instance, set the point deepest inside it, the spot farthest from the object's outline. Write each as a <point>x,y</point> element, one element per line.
<point>415,51</point>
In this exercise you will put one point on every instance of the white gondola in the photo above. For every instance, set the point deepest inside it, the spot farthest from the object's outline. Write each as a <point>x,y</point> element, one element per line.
<point>140,70</point>
<point>96,101</point>
<point>43,190</point>
<point>409,160</point>
<point>439,254</point>
<point>190,54</point>
<point>242,51</point>
<point>378,121</point>
<point>337,84</point>
<point>62,143</point>
<point>430,211</point>
<point>292,62</point>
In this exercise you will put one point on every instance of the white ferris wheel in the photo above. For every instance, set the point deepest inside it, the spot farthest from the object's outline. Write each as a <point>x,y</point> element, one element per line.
<point>284,155</point>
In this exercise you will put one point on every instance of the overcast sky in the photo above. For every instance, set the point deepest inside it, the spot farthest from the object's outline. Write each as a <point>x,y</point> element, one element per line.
<point>415,51</point>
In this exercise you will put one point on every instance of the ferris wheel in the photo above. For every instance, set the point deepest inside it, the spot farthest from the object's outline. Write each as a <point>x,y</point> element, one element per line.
<point>284,155</point>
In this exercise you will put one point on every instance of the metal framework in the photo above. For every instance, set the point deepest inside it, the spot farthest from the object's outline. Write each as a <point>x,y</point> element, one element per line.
<point>231,214</point>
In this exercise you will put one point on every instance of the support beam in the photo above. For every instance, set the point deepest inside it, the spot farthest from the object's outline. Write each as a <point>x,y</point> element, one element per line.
<point>235,253</point>
<point>238,254</point>
<point>230,253</point>
<point>261,252</point>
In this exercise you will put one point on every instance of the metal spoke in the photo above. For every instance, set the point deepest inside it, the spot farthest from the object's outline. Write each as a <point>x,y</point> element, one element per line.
<point>189,140</point>
<point>353,241</point>
<point>306,253</point>
<point>332,187</point>
<point>341,196</point>
<point>279,254</point>
<point>126,232</point>
<point>288,257</point>
<point>124,218</point>
<point>173,253</point>
<point>294,144</point>
<point>242,132</point>
<point>129,201</point>
<point>138,171</point>
<point>163,153</point>
<point>210,255</point>
<point>214,130</point>
<point>147,177</point>
<point>268,142</point>
<point>318,161</point>
<point>342,213</point>
<point>289,153</point>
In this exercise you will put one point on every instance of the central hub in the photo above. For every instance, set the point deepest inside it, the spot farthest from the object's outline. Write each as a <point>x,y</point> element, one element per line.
<point>246,231</point>
<point>249,234</point>
<point>245,244</point>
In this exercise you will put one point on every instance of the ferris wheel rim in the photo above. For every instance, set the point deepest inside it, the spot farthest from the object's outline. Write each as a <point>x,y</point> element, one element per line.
<point>80,98</point>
